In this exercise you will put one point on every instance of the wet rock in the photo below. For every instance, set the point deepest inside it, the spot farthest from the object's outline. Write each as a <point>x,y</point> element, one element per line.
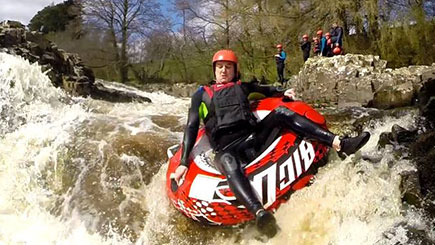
<point>177,89</point>
<point>410,186</point>
<point>414,235</point>
<point>426,96</point>
<point>65,69</point>
<point>99,91</point>
<point>423,151</point>
<point>402,135</point>
<point>384,139</point>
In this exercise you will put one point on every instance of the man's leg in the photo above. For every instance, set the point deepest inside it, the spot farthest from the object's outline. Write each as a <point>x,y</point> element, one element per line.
<point>280,70</point>
<point>284,117</point>
<point>239,184</point>
<point>228,164</point>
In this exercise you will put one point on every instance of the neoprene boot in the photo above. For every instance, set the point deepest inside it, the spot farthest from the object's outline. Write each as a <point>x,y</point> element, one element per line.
<point>266,223</point>
<point>350,145</point>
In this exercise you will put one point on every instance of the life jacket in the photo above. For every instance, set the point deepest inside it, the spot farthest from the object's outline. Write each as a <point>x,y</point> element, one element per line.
<point>228,109</point>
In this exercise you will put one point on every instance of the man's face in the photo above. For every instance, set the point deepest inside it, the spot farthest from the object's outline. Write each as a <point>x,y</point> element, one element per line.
<point>334,25</point>
<point>224,71</point>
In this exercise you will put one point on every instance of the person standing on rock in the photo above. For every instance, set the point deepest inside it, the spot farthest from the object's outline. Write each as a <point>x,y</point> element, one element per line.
<point>336,35</point>
<point>327,50</point>
<point>228,119</point>
<point>280,63</point>
<point>305,47</point>
<point>316,46</point>
<point>322,40</point>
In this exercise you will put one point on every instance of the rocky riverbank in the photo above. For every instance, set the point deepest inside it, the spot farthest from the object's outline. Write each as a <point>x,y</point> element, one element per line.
<point>64,69</point>
<point>360,80</point>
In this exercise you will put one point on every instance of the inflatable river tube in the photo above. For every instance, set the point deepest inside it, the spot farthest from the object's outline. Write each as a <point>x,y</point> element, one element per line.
<point>285,164</point>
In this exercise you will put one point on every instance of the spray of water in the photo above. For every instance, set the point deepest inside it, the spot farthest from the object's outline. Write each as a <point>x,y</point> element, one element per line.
<point>81,171</point>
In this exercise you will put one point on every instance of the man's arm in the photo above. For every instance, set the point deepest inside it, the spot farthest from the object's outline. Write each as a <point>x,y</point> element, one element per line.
<point>192,126</point>
<point>266,90</point>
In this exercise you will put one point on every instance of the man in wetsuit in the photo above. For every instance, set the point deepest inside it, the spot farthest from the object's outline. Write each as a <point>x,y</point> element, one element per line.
<point>224,109</point>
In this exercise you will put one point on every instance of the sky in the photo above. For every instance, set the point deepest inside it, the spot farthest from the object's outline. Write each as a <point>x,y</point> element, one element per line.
<point>22,10</point>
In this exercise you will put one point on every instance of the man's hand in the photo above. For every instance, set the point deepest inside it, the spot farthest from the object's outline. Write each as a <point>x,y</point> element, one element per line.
<point>290,93</point>
<point>179,174</point>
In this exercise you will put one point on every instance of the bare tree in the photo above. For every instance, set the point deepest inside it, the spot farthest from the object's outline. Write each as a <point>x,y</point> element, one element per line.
<point>219,14</point>
<point>123,20</point>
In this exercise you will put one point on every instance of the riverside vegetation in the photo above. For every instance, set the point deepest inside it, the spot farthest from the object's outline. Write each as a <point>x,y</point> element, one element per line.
<point>140,43</point>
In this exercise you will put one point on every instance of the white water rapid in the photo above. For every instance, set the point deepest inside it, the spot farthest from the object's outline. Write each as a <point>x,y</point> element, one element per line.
<point>83,171</point>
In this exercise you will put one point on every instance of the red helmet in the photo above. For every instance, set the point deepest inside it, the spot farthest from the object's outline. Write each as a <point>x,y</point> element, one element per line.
<point>225,55</point>
<point>279,46</point>
<point>305,36</point>
<point>327,34</point>
<point>319,32</point>
<point>336,50</point>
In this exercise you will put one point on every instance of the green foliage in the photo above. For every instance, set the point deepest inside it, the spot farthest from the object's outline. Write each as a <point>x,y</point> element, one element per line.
<point>410,42</point>
<point>52,18</point>
<point>252,28</point>
<point>94,48</point>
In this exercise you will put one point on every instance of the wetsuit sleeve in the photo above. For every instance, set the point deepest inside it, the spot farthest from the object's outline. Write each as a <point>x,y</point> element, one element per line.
<point>192,126</point>
<point>266,90</point>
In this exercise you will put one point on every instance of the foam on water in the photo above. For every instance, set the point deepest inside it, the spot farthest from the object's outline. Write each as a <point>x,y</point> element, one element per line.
<point>37,122</point>
<point>35,125</point>
<point>111,146</point>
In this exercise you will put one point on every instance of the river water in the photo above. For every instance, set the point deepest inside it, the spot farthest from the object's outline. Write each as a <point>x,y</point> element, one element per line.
<point>83,171</point>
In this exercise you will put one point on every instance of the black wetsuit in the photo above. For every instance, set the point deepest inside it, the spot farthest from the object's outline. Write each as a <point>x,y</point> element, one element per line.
<point>327,51</point>
<point>227,148</point>
<point>306,47</point>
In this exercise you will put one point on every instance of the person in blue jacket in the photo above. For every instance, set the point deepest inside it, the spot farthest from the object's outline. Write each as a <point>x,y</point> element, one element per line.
<point>280,63</point>
<point>323,42</point>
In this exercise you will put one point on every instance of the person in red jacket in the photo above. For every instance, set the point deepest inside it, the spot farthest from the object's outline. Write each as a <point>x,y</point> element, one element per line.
<point>224,109</point>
